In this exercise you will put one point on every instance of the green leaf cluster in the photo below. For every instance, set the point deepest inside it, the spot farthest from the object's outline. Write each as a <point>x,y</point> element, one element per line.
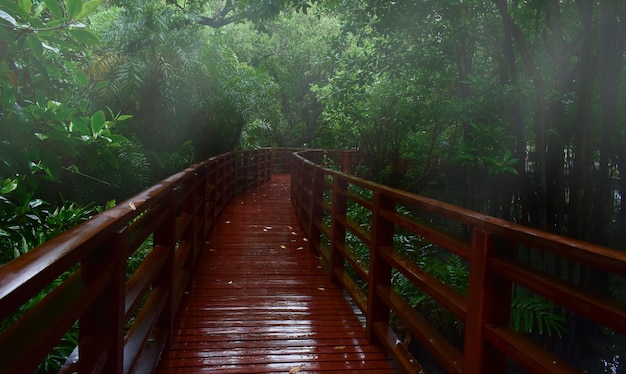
<point>533,314</point>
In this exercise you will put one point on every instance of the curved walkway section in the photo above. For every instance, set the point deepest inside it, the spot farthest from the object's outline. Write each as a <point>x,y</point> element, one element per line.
<point>261,301</point>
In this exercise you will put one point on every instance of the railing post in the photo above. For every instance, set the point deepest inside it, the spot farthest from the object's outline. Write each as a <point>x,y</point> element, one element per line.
<point>230,177</point>
<point>165,239</point>
<point>241,172</point>
<point>338,236</point>
<point>489,301</point>
<point>194,205</point>
<point>209,216</point>
<point>299,190</point>
<point>379,270</point>
<point>346,161</point>
<point>317,198</point>
<point>267,164</point>
<point>103,323</point>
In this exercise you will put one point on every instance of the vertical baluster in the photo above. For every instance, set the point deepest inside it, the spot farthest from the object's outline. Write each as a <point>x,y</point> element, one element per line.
<point>210,198</point>
<point>489,300</point>
<point>346,161</point>
<point>317,197</point>
<point>193,206</point>
<point>165,237</point>
<point>296,180</point>
<point>102,325</point>
<point>379,270</point>
<point>338,239</point>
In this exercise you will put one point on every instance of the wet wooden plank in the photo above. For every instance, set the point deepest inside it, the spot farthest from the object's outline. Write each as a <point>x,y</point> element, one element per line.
<point>262,302</point>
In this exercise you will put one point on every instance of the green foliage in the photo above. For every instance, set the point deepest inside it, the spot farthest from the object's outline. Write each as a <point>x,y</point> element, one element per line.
<point>533,314</point>
<point>484,147</point>
<point>31,223</point>
<point>295,59</point>
<point>196,89</point>
<point>57,357</point>
<point>51,142</point>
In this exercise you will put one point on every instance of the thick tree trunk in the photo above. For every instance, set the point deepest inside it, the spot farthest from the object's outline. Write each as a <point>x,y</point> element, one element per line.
<point>539,118</point>
<point>580,206</point>
<point>612,48</point>
<point>520,190</point>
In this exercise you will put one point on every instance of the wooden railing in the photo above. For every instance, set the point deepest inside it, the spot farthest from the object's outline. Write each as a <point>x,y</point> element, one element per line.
<point>501,256</point>
<point>124,316</point>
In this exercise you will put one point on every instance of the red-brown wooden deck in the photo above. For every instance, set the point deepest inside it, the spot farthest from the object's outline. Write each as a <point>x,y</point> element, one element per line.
<point>261,301</point>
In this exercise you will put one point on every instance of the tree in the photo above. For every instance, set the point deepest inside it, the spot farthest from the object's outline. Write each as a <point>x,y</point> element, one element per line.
<point>177,81</point>
<point>50,133</point>
<point>225,12</point>
<point>296,60</point>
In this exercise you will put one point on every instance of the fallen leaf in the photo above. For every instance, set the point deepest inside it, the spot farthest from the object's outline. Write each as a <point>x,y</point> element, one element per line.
<point>290,228</point>
<point>268,227</point>
<point>321,288</point>
<point>299,248</point>
<point>340,347</point>
<point>282,247</point>
<point>305,239</point>
<point>294,233</point>
<point>227,221</point>
<point>131,205</point>
<point>295,369</point>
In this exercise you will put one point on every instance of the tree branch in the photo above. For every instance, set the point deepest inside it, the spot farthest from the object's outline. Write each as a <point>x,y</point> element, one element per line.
<point>221,18</point>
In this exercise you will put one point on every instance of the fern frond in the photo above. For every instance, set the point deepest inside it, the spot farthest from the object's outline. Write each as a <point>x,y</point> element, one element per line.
<point>531,312</point>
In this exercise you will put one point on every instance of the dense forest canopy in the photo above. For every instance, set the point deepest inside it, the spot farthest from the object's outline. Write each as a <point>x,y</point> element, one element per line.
<point>507,107</point>
<point>512,105</point>
<point>513,108</point>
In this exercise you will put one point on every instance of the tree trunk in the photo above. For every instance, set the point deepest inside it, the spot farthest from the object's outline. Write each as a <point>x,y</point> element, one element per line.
<point>580,199</point>
<point>539,118</point>
<point>612,48</point>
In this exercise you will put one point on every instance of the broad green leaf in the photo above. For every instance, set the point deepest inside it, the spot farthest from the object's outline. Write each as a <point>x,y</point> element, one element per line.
<point>38,9</point>
<point>74,7</point>
<point>118,139</point>
<point>8,185</point>
<point>53,105</point>
<point>8,18</point>
<point>13,9</point>
<point>35,44</point>
<point>27,5</point>
<point>54,8</point>
<point>84,36</point>
<point>88,8</point>
<point>80,126</point>
<point>110,204</point>
<point>97,123</point>
<point>124,117</point>
<point>82,78</point>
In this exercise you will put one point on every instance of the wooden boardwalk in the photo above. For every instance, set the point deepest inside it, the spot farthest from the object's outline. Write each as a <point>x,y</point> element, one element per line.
<point>262,302</point>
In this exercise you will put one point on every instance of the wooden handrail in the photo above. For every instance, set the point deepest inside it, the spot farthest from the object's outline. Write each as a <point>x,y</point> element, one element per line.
<point>491,248</point>
<point>125,317</point>
<point>124,321</point>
